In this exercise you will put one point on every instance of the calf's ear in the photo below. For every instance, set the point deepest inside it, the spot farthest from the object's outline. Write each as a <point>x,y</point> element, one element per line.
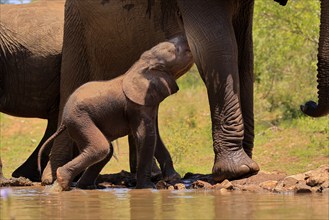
<point>148,87</point>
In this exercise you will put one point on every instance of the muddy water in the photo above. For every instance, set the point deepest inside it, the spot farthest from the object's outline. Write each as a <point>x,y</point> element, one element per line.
<point>35,203</point>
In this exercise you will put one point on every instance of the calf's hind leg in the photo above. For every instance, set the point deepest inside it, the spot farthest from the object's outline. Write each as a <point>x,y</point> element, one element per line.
<point>93,146</point>
<point>88,179</point>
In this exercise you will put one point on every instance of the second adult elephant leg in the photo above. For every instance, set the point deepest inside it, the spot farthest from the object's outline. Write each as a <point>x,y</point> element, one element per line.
<point>29,168</point>
<point>211,36</point>
<point>242,23</point>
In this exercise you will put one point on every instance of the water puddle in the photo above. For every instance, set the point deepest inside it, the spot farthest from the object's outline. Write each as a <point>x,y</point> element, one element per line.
<point>37,203</point>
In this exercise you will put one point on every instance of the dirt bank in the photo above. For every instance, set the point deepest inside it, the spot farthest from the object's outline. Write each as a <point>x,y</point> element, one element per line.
<point>309,182</point>
<point>313,181</point>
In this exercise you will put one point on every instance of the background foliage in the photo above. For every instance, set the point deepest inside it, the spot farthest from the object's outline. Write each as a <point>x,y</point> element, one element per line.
<point>285,49</point>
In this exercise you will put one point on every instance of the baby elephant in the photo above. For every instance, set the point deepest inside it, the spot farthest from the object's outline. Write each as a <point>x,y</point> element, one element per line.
<point>100,112</point>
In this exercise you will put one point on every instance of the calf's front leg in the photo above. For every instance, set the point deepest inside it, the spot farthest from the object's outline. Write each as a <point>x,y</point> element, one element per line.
<point>144,132</point>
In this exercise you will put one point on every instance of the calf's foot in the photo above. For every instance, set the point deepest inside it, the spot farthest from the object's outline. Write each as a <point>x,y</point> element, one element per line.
<point>47,177</point>
<point>233,165</point>
<point>63,178</point>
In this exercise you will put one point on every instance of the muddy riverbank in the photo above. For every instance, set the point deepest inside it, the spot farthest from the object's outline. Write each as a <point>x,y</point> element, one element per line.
<point>313,181</point>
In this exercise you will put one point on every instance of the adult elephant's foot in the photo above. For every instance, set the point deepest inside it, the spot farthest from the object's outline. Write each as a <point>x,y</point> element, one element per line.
<point>234,165</point>
<point>146,185</point>
<point>156,174</point>
<point>87,181</point>
<point>172,177</point>
<point>63,178</point>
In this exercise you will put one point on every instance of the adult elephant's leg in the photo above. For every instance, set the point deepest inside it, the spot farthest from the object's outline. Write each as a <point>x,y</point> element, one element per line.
<point>242,23</point>
<point>211,36</point>
<point>75,71</point>
<point>29,168</point>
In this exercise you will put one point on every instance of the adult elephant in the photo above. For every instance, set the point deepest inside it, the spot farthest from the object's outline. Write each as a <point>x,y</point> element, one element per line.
<point>103,38</point>
<point>31,37</point>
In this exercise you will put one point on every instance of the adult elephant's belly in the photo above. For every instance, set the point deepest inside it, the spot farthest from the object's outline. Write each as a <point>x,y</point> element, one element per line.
<point>33,93</point>
<point>119,33</point>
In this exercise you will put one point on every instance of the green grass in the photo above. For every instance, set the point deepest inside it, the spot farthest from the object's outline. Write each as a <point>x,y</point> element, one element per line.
<point>18,139</point>
<point>288,145</point>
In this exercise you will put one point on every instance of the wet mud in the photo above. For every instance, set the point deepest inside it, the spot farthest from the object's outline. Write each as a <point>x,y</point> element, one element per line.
<point>21,181</point>
<point>313,181</point>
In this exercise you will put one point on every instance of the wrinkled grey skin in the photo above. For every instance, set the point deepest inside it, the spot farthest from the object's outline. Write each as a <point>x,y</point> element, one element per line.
<point>99,112</point>
<point>31,37</point>
<point>105,37</point>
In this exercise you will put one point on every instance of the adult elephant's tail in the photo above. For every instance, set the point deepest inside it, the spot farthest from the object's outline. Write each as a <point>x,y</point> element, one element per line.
<point>322,108</point>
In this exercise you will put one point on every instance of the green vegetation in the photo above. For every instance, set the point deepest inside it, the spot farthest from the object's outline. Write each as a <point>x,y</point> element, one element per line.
<point>285,42</point>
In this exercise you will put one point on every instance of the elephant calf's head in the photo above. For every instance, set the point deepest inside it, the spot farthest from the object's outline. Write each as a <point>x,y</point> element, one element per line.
<point>152,78</point>
<point>173,56</point>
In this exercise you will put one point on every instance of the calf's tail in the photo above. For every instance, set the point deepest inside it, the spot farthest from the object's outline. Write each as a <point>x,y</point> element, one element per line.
<point>61,128</point>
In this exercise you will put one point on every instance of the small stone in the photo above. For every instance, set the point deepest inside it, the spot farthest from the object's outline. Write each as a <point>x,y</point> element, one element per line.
<point>269,185</point>
<point>299,177</point>
<point>303,188</point>
<point>179,186</point>
<point>199,184</point>
<point>162,185</point>
<point>289,182</point>
<point>227,185</point>
<point>218,186</point>
<point>282,186</point>
<point>251,188</point>
<point>223,190</point>
<point>317,189</point>
<point>326,190</point>
<point>325,184</point>
<point>316,180</point>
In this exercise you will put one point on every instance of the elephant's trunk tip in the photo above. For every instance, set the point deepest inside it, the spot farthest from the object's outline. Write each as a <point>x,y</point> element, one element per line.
<point>312,109</point>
